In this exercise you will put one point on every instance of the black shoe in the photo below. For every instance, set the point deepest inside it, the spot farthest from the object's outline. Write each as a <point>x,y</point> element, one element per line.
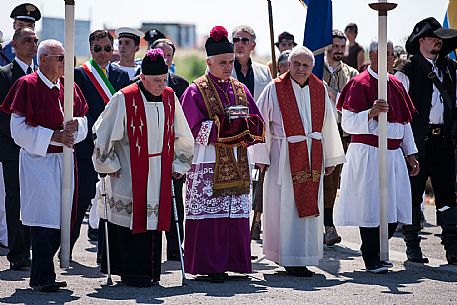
<point>377,268</point>
<point>299,271</point>
<point>20,264</point>
<point>387,264</point>
<point>451,257</point>
<point>217,277</point>
<point>92,234</point>
<point>414,255</point>
<point>50,287</point>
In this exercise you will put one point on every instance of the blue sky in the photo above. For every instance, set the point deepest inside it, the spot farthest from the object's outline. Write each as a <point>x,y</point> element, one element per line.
<point>288,15</point>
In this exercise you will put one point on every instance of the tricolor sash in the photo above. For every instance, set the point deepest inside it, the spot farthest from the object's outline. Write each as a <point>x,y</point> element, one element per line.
<point>99,79</point>
<point>139,157</point>
<point>305,174</point>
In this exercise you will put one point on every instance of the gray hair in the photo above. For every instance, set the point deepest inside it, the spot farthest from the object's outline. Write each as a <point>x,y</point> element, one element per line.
<point>45,46</point>
<point>284,57</point>
<point>301,50</point>
<point>246,29</point>
<point>374,45</point>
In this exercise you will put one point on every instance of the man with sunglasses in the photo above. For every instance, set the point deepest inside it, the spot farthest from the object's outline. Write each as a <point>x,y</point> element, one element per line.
<point>37,126</point>
<point>98,80</point>
<point>25,45</point>
<point>302,145</point>
<point>255,77</point>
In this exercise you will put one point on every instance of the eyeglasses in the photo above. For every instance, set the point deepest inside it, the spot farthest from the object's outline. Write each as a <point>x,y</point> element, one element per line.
<point>60,58</point>
<point>243,40</point>
<point>98,48</point>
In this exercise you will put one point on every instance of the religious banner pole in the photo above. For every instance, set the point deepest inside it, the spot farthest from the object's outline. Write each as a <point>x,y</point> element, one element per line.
<point>272,40</point>
<point>68,162</point>
<point>383,7</point>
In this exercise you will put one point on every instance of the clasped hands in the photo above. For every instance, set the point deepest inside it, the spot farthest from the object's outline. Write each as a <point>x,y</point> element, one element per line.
<point>67,135</point>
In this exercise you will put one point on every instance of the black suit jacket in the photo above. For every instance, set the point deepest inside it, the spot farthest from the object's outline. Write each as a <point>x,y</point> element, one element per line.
<point>9,151</point>
<point>119,79</point>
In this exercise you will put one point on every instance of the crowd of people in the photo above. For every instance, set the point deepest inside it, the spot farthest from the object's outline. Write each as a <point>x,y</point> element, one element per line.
<point>242,139</point>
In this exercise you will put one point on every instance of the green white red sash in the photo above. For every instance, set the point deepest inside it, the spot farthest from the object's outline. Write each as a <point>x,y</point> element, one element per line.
<point>99,79</point>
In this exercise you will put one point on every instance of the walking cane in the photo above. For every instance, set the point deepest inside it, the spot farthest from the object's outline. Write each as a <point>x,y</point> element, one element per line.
<point>109,281</point>
<point>175,212</point>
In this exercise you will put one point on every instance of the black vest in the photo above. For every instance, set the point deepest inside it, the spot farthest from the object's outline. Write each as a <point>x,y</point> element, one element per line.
<point>420,91</point>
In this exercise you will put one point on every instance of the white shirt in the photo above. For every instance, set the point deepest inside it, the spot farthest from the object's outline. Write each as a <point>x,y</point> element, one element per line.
<point>23,65</point>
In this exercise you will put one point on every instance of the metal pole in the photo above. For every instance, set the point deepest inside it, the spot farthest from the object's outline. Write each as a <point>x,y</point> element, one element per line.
<point>272,40</point>
<point>68,163</point>
<point>109,281</point>
<point>382,7</point>
<point>175,212</point>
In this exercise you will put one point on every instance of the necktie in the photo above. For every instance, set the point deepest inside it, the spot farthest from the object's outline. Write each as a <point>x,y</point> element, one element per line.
<point>104,71</point>
<point>29,70</point>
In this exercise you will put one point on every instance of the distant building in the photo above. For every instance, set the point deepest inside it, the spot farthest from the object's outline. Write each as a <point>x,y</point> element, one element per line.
<point>54,28</point>
<point>182,34</point>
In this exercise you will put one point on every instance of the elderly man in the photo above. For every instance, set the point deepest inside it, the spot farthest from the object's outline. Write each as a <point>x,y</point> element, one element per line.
<point>140,155</point>
<point>35,105</point>
<point>24,15</point>
<point>98,80</point>
<point>224,120</point>
<point>430,79</point>
<point>129,44</point>
<point>302,144</point>
<point>255,76</point>
<point>25,44</point>
<point>358,204</point>
<point>179,85</point>
<point>283,62</point>
<point>336,75</point>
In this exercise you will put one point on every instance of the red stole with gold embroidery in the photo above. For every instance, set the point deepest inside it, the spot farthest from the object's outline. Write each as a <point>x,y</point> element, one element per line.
<point>305,176</point>
<point>139,157</point>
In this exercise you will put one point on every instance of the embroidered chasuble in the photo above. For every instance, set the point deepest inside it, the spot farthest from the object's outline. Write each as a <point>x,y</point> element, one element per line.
<point>231,174</point>
<point>306,170</point>
<point>138,140</point>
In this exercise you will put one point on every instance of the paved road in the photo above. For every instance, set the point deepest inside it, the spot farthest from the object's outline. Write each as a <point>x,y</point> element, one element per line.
<point>339,280</point>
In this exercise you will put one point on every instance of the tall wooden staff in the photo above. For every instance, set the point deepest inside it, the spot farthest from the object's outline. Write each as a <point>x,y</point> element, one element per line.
<point>68,163</point>
<point>383,7</point>
<point>272,40</point>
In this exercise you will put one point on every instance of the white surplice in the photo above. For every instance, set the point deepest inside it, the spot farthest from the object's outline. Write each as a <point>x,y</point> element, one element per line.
<point>288,239</point>
<point>40,172</point>
<point>112,154</point>
<point>358,204</point>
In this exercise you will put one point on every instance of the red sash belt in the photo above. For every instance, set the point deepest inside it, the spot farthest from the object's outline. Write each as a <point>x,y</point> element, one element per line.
<point>372,140</point>
<point>52,149</point>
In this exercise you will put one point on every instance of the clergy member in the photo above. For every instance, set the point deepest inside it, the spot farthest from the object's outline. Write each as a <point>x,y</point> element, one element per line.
<point>224,120</point>
<point>142,140</point>
<point>35,103</point>
<point>359,194</point>
<point>302,144</point>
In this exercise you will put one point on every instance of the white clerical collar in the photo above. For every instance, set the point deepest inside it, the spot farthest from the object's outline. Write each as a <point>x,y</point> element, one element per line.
<point>374,74</point>
<point>47,81</point>
<point>23,65</point>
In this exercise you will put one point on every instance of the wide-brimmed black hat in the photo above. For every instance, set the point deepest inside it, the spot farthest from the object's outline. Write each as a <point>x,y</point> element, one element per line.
<point>152,35</point>
<point>430,27</point>
<point>26,12</point>
<point>285,36</point>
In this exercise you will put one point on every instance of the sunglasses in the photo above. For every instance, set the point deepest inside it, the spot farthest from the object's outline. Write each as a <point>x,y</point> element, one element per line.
<point>243,40</point>
<point>60,58</point>
<point>98,48</point>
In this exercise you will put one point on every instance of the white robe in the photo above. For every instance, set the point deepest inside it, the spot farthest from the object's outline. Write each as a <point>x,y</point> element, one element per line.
<point>288,239</point>
<point>358,204</point>
<point>112,154</point>
<point>40,172</point>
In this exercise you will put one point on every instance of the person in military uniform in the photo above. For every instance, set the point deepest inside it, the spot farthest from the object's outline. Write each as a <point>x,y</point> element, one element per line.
<point>129,44</point>
<point>24,15</point>
<point>429,76</point>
